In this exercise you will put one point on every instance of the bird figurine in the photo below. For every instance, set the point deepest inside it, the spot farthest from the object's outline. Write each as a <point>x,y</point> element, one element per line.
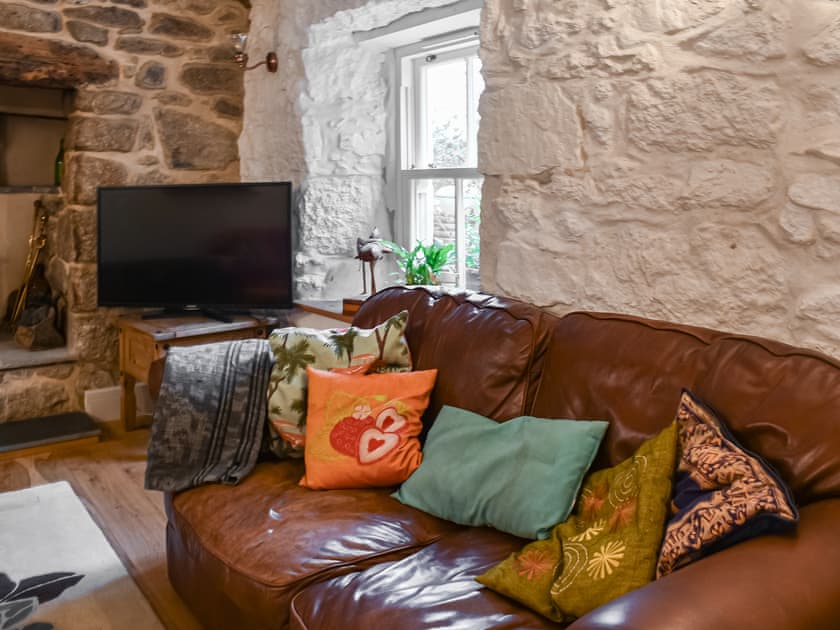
<point>369,250</point>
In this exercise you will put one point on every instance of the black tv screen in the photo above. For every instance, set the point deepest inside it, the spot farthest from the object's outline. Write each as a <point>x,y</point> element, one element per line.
<point>219,246</point>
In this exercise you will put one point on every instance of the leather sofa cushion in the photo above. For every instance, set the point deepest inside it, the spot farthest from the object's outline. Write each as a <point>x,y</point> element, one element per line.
<point>242,552</point>
<point>488,350</point>
<point>432,588</point>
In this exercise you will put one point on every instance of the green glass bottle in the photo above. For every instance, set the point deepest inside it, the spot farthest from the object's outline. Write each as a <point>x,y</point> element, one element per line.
<point>58,173</point>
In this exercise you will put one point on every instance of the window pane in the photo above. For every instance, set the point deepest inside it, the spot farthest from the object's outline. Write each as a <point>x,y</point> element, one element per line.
<point>472,223</point>
<point>434,202</point>
<point>448,212</point>
<point>446,103</point>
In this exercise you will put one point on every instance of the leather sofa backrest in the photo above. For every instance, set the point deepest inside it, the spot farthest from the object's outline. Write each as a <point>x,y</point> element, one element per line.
<point>780,401</point>
<point>488,350</point>
<point>503,358</point>
<point>626,370</point>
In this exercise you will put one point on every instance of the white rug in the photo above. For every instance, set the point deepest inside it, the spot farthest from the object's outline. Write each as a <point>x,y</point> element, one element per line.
<point>57,570</point>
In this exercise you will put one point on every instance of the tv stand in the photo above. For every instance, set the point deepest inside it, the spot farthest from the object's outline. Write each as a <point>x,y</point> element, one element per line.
<point>209,313</point>
<point>142,342</point>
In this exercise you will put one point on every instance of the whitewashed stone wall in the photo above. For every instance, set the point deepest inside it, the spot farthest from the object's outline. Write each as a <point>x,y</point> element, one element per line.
<point>677,160</point>
<point>323,124</point>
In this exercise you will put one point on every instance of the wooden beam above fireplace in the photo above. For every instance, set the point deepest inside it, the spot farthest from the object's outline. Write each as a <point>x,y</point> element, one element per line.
<point>42,62</point>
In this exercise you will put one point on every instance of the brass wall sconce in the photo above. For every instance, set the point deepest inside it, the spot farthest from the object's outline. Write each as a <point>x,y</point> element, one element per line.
<point>240,40</point>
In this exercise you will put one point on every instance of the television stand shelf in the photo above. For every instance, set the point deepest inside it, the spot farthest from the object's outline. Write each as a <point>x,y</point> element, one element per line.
<point>143,341</point>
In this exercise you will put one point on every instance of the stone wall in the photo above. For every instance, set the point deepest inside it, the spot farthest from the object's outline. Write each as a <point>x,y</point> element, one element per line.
<point>158,101</point>
<point>676,160</point>
<point>322,124</point>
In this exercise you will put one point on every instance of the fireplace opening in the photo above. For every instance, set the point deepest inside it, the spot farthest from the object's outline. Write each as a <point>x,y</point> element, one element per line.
<point>33,124</point>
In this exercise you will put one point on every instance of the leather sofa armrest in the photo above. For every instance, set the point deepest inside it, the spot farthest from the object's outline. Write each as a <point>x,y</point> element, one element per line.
<point>155,377</point>
<point>769,582</point>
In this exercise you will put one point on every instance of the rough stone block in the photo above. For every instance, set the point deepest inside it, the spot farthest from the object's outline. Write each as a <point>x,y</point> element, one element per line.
<point>80,234</point>
<point>816,191</point>
<point>81,296</point>
<point>85,173</point>
<point>108,102</point>
<point>179,28</point>
<point>152,177</point>
<point>137,4</point>
<point>336,210</point>
<point>201,7</point>
<point>173,98</point>
<point>227,107</point>
<point>220,54</point>
<point>678,16</point>
<point>822,305</point>
<point>234,18</point>
<point>94,338</point>
<point>798,224</point>
<point>757,36</point>
<point>84,32</point>
<point>212,78</point>
<point>112,17</point>
<point>20,17</point>
<point>631,185</point>
<point>147,46</point>
<point>103,134</point>
<point>31,398</point>
<point>526,129</point>
<point>56,372</point>
<point>192,143</point>
<point>728,184</point>
<point>824,48</point>
<point>736,110</point>
<point>151,76</point>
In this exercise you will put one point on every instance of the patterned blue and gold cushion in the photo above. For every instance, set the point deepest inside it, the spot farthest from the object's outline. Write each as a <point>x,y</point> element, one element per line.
<point>723,493</point>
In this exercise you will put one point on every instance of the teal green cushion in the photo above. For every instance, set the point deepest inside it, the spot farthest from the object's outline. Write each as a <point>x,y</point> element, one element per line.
<point>521,476</point>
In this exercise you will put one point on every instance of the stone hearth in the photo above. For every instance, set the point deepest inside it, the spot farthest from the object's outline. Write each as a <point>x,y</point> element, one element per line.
<point>158,100</point>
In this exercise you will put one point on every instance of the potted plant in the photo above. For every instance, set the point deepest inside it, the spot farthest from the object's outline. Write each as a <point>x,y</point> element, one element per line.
<point>423,264</point>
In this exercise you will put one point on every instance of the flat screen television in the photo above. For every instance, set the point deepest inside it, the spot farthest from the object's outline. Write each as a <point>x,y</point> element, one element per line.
<point>214,247</point>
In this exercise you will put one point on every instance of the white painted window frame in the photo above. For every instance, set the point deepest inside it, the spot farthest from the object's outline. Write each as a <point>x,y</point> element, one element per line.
<point>411,153</point>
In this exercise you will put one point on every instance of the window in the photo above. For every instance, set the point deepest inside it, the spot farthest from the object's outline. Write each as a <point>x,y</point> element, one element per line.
<point>437,177</point>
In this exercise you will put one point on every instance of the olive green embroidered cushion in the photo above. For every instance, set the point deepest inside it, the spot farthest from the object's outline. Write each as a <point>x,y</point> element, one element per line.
<point>295,349</point>
<point>608,547</point>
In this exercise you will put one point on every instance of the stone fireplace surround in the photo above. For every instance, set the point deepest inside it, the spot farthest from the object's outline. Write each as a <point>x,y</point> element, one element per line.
<point>157,101</point>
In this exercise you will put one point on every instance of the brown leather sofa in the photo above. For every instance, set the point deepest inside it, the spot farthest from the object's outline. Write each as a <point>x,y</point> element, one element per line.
<point>268,553</point>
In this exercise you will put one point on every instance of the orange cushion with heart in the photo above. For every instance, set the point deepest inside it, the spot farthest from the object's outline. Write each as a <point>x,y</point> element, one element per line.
<point>361,431</point>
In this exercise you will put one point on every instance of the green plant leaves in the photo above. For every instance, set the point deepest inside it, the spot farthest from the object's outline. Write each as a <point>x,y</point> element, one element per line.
<point>422,264</point>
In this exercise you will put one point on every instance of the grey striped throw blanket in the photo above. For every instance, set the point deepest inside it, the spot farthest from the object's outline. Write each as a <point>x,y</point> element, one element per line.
<point>210,414</point>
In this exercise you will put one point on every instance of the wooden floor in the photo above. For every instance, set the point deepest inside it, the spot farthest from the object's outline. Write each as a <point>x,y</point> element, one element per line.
<point>108,477</point>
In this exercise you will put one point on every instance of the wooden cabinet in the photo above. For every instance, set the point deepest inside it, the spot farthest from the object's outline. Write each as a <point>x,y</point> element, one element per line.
<point>142,341</point>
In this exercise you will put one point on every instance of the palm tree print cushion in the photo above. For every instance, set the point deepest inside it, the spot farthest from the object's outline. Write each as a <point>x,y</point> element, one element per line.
<point>379,349</point>
<point>723,493</point>
<point>609,545</point>
<point>362,431</point>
